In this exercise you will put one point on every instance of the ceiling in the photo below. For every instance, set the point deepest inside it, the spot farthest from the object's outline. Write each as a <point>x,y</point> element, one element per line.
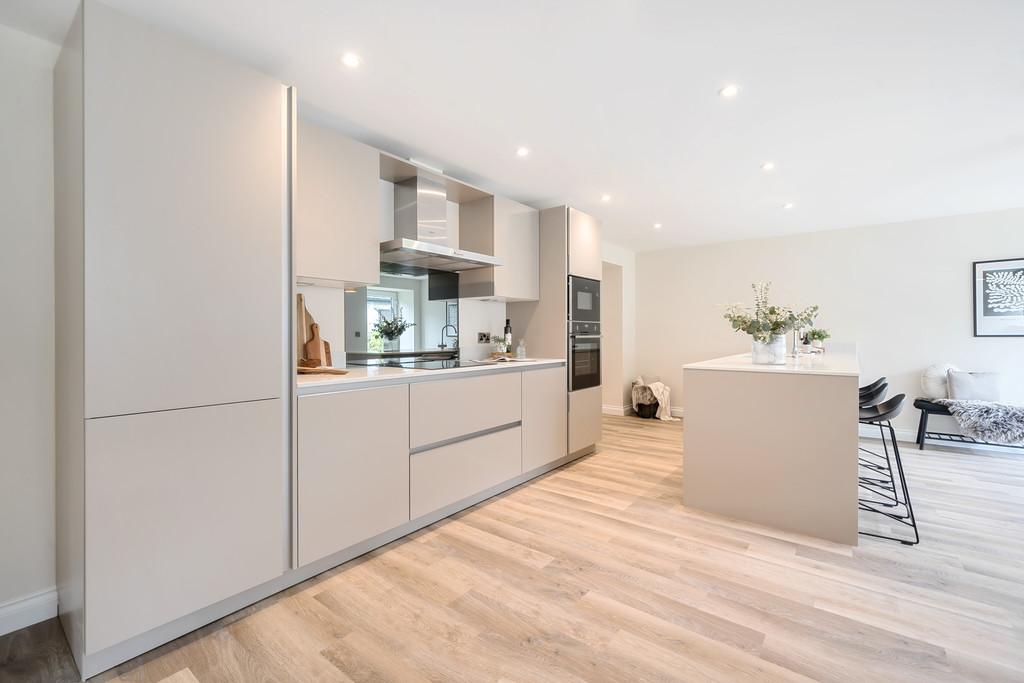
<point>873,111</point>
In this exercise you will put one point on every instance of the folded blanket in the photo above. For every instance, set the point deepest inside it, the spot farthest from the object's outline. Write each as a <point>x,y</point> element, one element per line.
<point>997,423</point>
<point>649,393</point>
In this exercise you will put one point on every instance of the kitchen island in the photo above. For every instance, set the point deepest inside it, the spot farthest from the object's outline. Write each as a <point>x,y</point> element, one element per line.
<point>774,444</point>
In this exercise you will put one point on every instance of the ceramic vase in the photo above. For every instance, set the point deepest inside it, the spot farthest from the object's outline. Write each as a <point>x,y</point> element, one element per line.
<point>772,353</point>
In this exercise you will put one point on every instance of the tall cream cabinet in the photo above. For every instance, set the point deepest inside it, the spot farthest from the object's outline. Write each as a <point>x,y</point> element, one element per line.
<point>509,230</point>
<point>173,268</point>
<point>337,209</point>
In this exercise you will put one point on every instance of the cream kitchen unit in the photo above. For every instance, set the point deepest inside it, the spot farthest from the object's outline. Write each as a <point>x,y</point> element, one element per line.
<point>172,244</point>
<point>510,231</point>
<point>337,209</point>
<point>385,451</point>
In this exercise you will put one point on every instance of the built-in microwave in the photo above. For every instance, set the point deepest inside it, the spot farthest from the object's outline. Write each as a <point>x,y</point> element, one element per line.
<point>584,299</point>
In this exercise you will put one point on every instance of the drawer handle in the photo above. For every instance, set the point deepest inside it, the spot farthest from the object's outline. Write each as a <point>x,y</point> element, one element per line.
<point>464,437</point>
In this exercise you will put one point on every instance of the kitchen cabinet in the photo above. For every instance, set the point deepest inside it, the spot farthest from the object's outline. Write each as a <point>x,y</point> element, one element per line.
<point>508,230</point>
<point>172,296</point>
<point>585,425</point>
<point>453,408</point>
<point>183,508</point>
<point>353,468</point>
<point>337,209</point>
<point>442,476</point>
<point>584,245</point>
<point>544,417</point>
<point>184,228</point>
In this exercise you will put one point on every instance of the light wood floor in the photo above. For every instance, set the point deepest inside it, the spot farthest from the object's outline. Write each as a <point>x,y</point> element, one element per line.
<point>596,572</point>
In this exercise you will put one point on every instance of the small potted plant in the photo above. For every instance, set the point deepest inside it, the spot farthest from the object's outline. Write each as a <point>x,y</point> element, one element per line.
<point>392,330</point>
<point>768,325</point>
<point>817,337</point>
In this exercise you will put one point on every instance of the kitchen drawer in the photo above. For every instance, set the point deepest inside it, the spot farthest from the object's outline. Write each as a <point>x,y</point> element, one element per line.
<point>450,408</point>
<point>446,475</point>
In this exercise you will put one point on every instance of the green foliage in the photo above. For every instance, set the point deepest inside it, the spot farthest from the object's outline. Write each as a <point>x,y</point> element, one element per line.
<point>392,329</point>
<point>817,334</point>
<point>767,321</point>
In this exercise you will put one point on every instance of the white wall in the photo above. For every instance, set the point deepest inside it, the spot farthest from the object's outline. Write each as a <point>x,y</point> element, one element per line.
<point>903,291</point>
<point>478,315</point>
<point>627,260</point>
<point>613,392</point>
<point>327,306</point>
<point>26,330</point>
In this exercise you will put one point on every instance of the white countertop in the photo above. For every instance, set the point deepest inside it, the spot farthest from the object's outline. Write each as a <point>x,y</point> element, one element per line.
<point>842,363</point>
<point>360,376</point>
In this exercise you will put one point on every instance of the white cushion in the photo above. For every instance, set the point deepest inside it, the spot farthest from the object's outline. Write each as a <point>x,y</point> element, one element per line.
<point>934,381</point>
<point>973,386</point>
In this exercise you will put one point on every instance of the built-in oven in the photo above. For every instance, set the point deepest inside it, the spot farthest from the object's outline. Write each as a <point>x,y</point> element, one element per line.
<point>584,299</point>
<point>584,355</point>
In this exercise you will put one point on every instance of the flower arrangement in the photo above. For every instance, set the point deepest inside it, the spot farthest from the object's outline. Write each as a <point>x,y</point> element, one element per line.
<point>392,329</point>
<point>767,321</point>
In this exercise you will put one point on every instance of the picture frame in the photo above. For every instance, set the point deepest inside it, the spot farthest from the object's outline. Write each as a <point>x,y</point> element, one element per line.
<point>998,296</point>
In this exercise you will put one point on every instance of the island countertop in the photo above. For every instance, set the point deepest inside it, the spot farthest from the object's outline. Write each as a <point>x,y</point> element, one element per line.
<point>842,363</point>
<point>362,376</point>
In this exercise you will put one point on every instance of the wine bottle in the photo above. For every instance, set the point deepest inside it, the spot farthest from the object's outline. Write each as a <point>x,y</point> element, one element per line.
<point>508,334</point>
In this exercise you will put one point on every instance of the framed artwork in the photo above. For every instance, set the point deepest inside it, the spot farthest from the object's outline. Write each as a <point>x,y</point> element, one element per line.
<point>999,298</point>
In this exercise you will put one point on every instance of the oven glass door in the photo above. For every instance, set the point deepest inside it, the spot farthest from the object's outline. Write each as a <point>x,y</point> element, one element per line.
<point>584,299</point>
<point>585,363</point>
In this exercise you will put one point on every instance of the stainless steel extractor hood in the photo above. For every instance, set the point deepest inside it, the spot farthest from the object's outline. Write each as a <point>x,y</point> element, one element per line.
<point>422,240</point>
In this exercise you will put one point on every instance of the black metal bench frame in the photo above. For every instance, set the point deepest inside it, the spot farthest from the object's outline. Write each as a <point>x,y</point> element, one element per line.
<point>928,408</point>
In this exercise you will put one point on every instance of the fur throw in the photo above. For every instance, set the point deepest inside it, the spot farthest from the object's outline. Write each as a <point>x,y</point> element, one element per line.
<point>996,423</point>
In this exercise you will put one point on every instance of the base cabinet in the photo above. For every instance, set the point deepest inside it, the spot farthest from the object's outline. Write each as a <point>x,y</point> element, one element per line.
<point>446,475</point>
<point>353,468</point>
<point>584,418</point>
<point>183,508</point>
<point>544,417</point>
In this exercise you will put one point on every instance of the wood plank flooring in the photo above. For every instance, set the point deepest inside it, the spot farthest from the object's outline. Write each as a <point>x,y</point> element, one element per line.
<point>596,572</point>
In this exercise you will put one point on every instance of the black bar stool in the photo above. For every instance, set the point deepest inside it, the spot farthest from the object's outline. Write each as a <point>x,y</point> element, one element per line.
<point>874,385</point>
<point>880,485</point>
<point>870,395</point>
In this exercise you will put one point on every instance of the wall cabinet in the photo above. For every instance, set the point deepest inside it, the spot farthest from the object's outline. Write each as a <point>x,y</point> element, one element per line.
<point>353,468</point>
<point>506,229</point>
<point>584,245</point>
<point>337,209</point>
<point>544,417</point>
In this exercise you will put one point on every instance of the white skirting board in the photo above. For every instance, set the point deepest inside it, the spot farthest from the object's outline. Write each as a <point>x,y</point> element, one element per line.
<point>28,610</point>
<point>616,410</point>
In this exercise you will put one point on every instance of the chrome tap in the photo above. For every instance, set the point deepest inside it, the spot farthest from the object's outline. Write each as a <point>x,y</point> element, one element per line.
<point>444,336</point>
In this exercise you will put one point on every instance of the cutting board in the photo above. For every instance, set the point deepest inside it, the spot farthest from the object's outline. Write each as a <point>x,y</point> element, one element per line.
<point>315,349</point>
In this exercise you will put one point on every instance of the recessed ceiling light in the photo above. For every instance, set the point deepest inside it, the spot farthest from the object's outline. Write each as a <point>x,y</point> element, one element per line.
<point>351,60</point>
<point>768,166</point>
<point>522,152</point>
<point>788,205</point>
<point>606,198</point>
<point>729,91</point>
<point>657,226</point>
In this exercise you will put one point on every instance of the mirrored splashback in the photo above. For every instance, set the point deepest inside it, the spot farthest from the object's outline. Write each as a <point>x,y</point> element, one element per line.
<point>419,300</point>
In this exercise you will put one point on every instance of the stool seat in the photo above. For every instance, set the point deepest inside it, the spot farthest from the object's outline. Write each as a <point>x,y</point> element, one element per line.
<point>883,412</point>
